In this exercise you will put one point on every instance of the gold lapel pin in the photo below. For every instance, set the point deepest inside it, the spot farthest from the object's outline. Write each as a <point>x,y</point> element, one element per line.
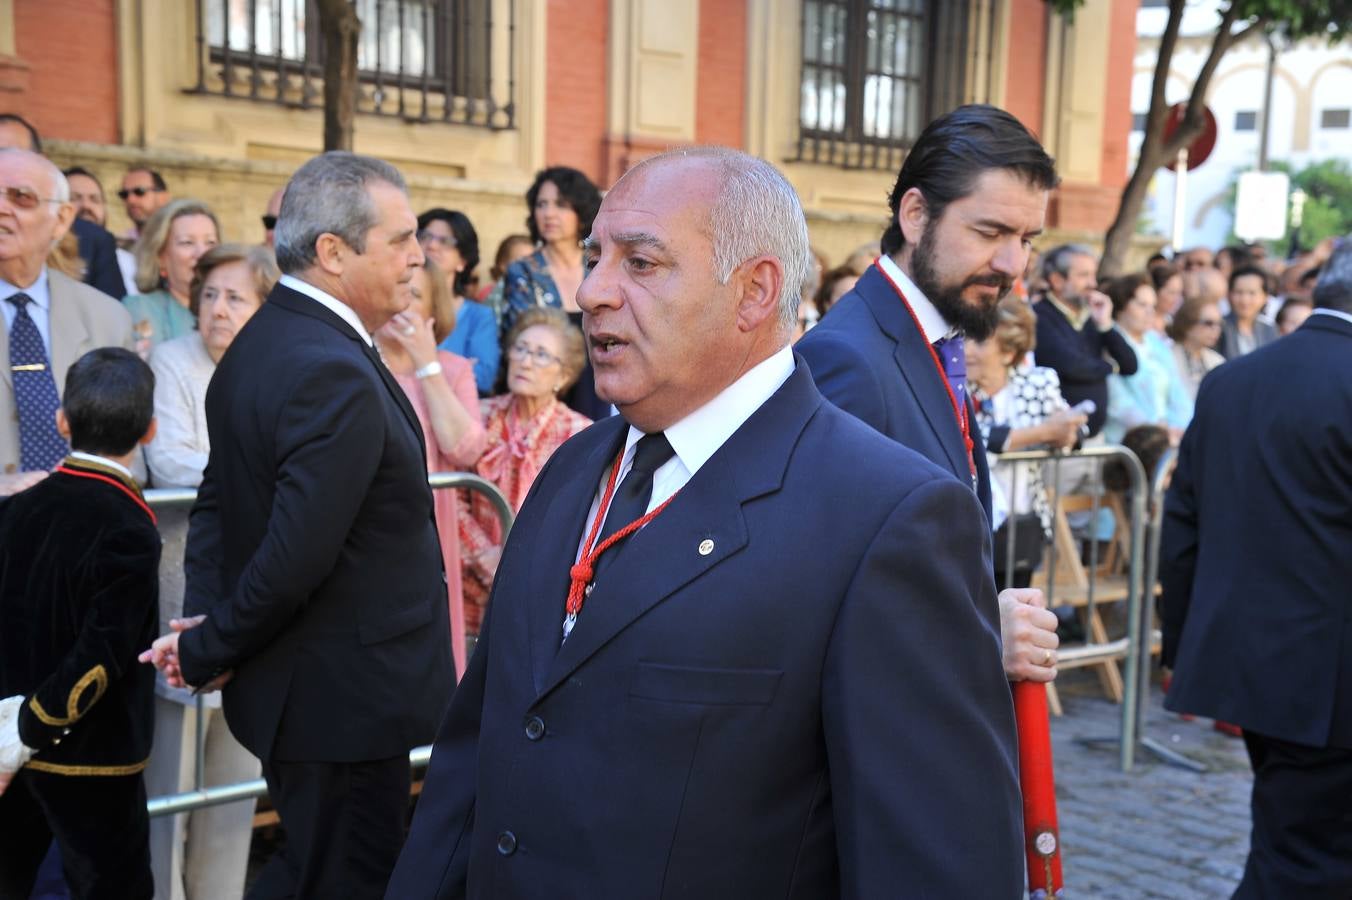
<point>706,547</point>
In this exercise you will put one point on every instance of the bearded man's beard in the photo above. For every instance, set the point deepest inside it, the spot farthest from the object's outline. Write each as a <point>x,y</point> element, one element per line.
<point>976,321</point>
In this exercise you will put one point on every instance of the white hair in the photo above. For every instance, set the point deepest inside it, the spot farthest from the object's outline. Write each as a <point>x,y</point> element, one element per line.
<point>756,213</point>
<point>60,186</point>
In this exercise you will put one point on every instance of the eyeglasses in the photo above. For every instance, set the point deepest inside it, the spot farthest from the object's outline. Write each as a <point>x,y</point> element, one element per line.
<point>438,240</point>
<point>137,192</point>
<point>269,222</point>
<point>25,198</point>
<point>537,355</point>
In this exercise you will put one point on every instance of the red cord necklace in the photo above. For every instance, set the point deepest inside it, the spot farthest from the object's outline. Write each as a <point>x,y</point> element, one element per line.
<point>585,568</point>
<point>81,473</point>
<point>959,410</point>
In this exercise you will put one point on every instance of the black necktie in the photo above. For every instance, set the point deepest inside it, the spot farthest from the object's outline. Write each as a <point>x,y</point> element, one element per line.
<point>634,493</point>
<point>41,447</point>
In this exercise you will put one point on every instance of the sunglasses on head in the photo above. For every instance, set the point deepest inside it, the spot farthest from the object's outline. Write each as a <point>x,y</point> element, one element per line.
<point>24,198</point>
<point>136,191</point>
<point>269,222</point>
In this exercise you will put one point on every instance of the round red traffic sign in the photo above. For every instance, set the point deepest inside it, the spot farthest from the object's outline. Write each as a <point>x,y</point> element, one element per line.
<point>1201,146</point>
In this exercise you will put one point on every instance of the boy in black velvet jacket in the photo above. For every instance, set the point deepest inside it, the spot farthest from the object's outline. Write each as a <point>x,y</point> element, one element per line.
<point>79,553</point>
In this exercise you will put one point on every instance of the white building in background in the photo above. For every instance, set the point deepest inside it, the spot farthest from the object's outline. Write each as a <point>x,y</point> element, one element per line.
<point>1311,113</point>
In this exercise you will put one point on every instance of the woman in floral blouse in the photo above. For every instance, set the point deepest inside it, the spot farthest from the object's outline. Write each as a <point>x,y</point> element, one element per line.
<point>545,355</point>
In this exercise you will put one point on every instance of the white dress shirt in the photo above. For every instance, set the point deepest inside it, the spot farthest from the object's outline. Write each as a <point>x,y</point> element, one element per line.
<point>932,322</point>
<point>40,310</point>
<point>698,436</point>
<point>338,307</point>
<point>1325,311</point>
<point>103,461</point>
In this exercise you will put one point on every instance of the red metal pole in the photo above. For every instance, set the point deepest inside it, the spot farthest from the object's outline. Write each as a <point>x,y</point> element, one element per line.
<point>1041,836</point>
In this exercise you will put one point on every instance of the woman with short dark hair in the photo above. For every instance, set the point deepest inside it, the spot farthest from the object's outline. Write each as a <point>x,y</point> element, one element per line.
<point>448,239</point>
<point>563,202</point>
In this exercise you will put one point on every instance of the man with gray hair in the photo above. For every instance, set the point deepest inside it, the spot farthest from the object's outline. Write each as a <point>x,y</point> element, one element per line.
<point>1075,333</point>
<point>1255,567</point>
<point>50,320</point>
<point>740,644</point>
<point>314,581</point>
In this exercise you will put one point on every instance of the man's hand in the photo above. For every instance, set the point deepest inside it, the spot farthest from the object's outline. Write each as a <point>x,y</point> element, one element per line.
<point>1028,634</point>
<point>1101,309</point>
<point>163,655</point>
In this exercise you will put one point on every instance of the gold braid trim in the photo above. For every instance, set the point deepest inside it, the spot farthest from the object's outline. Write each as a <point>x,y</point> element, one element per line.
<point>61,769</point>
<point>97,676</point>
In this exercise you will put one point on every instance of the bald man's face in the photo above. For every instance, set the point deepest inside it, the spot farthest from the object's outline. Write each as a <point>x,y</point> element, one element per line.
<point>31,220</point>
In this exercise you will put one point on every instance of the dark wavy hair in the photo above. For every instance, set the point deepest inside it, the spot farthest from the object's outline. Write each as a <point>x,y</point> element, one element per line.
<point>952,153</point>
<point>575,189</point>
<point>1122,289</point>
<point>466,241</point>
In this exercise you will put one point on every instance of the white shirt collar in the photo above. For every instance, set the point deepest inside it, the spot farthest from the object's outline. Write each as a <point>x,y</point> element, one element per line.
<point>932,323</point>
<point>338,307</point>
<point>699,435</point>
<point>39,291</point>
<point>103,461</point>
<point>1325,311</point>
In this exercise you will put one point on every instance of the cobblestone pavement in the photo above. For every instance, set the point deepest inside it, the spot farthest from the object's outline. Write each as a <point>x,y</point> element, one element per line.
<point>1159,831</point>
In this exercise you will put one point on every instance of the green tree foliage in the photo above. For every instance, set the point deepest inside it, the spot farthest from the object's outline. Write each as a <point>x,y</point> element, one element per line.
<point>1328,201</point>
<point>1284,20</point>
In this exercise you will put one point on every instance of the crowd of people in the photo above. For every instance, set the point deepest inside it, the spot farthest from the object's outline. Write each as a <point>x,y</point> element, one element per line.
<point>318,501</point>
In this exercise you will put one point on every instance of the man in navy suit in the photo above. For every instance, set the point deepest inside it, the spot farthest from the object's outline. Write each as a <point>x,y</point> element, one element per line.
<point>313,564</point>
<point>1255,562</point>
<point>969,199</point>
<point>787,682</point>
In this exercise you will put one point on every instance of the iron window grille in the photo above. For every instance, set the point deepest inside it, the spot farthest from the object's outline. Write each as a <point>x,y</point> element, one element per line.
<point>875,72</point>
<point>420,60</point>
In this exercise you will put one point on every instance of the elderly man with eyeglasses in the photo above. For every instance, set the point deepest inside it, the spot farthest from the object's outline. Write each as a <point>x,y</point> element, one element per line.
<point>50,320</point>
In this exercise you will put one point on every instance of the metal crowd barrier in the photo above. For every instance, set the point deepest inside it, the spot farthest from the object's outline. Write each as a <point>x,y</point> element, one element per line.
<point>204,795</point>
<point>1127,649</point>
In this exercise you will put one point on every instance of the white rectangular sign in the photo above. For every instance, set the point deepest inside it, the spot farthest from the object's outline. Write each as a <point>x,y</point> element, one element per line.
<point>1260,206</point>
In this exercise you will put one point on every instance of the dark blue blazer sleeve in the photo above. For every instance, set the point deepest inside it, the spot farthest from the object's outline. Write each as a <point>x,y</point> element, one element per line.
<point>918,631</point>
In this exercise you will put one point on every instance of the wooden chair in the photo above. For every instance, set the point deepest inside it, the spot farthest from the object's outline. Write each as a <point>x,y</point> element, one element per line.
<point>1071,580</point>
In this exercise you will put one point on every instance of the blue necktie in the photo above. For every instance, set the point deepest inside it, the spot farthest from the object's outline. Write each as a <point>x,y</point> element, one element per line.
<point>952,357</point>
<point>41,447</point>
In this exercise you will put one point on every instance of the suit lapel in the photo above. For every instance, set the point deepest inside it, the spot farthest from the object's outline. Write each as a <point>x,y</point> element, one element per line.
<point>665,556</point>
<point>296,302</point>
<point>915,361</point>
<point>69,334</point>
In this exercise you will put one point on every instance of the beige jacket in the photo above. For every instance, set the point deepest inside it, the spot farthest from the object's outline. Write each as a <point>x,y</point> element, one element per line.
<point>81,320</point>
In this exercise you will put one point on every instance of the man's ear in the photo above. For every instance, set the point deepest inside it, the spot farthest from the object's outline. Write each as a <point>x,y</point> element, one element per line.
<point>761,280</point>
<point>62,424</point>
<point>912,215</point>
<point>65,215</point>
<point>150,431</point>
<point>330,251</point>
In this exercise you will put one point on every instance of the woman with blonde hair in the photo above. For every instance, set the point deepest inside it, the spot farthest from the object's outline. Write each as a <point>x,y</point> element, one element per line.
<point>171,243</point>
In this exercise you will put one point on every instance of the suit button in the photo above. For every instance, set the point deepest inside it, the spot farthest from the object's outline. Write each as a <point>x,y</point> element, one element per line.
<point>506,843</point>
<point>535,728</point>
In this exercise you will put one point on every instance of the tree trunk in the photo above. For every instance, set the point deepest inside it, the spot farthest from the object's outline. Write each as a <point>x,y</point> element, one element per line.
<point>1155,151</point>
<point>340,27</point>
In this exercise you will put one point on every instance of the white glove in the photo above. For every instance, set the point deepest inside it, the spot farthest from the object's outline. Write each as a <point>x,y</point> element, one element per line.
<point>13,752</point>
